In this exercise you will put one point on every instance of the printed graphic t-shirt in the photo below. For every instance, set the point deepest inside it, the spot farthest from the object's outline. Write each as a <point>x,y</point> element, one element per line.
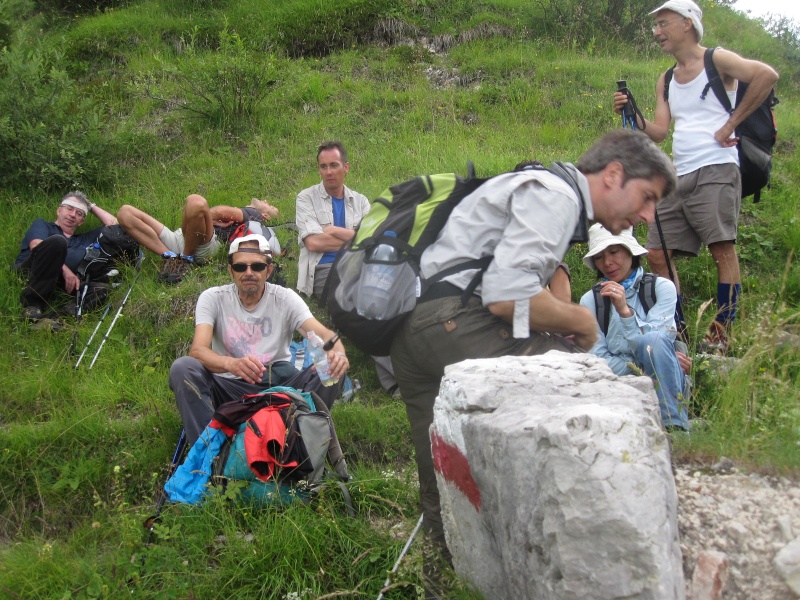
<point>264,332</point>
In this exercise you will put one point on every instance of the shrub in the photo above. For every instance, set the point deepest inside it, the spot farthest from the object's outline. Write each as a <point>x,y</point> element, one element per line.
<point>584,21</point>
<point>223,87</point>
<point>52,134</point>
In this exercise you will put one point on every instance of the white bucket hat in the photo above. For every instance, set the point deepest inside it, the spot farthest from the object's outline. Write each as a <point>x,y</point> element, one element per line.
<point>263,245</point>
<point>601,238</point>
<point>686,9</point>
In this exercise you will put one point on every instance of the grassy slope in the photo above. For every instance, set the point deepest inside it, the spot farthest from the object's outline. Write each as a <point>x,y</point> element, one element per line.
<point>81,452</point>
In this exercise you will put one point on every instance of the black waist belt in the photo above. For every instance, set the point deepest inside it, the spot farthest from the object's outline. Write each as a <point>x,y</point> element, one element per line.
<point>441,289</point>
<point>444,289</point>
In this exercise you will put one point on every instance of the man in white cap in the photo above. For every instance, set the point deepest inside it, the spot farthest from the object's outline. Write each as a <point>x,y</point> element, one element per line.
<point>705,208</point>
<point>241,337</point>
<point>50,253</point>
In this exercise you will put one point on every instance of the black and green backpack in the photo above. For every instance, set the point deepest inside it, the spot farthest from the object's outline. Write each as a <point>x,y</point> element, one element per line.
<point>415,211</point>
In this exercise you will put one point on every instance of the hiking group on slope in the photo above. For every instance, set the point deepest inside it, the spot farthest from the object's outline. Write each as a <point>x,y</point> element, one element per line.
<point>527,219</point>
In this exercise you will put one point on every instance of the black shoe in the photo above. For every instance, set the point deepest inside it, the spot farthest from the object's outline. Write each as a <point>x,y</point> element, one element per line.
<point>174,269</point>
<point>32,314</point>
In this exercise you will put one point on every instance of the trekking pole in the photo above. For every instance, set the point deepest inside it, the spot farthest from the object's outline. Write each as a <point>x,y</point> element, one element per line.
<point>119,310</point>
<point>78,314</point>
<point>400,558</point>
<point>630,112</point>
<point>680,321</point>
<point>111,273</point>
<point>151,521</point>
<point>91,337</point>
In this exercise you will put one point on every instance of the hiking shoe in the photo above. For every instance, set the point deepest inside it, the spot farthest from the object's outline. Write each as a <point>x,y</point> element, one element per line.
<point>173,269</point>
<point>715,341</point>
<point>32,314</point>
<point>48,324</point>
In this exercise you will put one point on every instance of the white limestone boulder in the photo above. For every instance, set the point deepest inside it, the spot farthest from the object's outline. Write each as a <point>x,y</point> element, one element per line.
<point>555,480</point>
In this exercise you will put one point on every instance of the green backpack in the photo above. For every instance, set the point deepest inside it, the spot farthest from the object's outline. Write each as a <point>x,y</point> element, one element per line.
<point>412,213</point>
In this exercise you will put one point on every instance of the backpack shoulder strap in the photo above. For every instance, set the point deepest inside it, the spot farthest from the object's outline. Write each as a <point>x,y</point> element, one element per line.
<point>715,81</point>
<point>602,307</point>
<point>581,233</point>
<point>647,291</point>
<point>667,79</point>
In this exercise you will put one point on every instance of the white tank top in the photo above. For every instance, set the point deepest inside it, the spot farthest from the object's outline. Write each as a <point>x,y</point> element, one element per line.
<point>696,121</point>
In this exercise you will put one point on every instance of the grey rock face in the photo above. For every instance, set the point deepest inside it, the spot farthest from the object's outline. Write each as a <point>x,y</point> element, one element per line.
<point>556,481</point>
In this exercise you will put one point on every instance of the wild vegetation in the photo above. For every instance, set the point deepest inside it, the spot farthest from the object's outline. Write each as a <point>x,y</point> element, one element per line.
<point>144,102</point>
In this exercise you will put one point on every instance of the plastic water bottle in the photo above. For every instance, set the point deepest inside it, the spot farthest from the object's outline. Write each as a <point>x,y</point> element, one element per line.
<point>320,358</point>
<point>375,283</point>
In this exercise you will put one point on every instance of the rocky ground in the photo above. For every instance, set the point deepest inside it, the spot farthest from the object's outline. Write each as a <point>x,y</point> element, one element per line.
<point>732,527</point>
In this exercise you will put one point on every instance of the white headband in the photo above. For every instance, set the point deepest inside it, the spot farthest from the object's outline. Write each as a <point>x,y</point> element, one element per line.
<point>75,203</point>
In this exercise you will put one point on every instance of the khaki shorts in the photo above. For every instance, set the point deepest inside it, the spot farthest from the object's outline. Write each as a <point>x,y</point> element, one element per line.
<point>702,211</point>
<point>174,241</point>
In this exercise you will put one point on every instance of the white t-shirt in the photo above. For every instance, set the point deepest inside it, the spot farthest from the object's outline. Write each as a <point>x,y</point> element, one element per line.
<point>264,332</point>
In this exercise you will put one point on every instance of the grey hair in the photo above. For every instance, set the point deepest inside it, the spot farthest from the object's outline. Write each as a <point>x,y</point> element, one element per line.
<point>639,156</point>
<point>80,196</point>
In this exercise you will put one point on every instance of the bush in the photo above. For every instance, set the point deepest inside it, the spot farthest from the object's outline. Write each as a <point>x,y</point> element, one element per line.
<point>584,21</point>
<point>53,136</point>
<point>223,87</point>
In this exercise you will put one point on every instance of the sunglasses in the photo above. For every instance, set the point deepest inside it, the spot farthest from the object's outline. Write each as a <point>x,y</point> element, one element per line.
<point>255,267</point>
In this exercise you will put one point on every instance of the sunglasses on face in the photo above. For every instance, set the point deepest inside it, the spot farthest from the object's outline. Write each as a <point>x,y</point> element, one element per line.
<point>255,267</point>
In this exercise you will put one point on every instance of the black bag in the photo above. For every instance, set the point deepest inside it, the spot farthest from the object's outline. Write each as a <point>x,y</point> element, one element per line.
<point>757,133</point>
<point>415,210</point>
<point>113,248</point>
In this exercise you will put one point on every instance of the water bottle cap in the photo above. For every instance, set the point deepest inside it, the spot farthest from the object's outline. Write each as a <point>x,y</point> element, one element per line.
<point>390,234</point>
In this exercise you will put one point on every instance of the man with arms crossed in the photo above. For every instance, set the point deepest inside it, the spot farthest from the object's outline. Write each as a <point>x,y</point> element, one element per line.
<point>327,215</point>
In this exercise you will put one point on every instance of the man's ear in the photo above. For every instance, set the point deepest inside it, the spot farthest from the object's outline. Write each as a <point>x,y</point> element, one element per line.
<point>613,174</point>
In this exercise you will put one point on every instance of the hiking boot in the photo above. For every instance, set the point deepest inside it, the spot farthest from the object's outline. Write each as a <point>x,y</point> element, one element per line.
<point>32,314</point>
<point>48,324</point>
<point>174,269</point>
<point>715,341</point>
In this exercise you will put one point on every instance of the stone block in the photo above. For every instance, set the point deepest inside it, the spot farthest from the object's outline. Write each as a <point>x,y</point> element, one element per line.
<point>555,480</point>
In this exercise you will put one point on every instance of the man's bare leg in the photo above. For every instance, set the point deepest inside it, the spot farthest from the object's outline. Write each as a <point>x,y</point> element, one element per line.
<point>143,228</point>
<point>659,265</point>
<point>197,224</point>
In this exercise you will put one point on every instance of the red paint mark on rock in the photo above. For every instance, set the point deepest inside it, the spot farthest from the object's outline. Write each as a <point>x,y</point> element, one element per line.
<point>450,463</point>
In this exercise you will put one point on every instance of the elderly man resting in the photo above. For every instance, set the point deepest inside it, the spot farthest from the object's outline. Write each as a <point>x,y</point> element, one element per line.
<point>241,338</point>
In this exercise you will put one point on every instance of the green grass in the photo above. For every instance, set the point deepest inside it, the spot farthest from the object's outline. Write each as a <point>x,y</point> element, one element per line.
<point>82,452</point>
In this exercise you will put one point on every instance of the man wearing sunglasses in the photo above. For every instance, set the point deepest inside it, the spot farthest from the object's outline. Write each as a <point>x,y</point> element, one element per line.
<point>704,211</point>
<point>241,337</point>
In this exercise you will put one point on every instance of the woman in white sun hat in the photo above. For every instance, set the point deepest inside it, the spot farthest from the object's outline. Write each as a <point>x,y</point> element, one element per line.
<point>638,329</point>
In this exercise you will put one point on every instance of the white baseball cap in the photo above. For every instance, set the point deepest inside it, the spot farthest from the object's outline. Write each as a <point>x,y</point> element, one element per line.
<point>601,238</point>
<point>263,244</point>
<point>686,9</point>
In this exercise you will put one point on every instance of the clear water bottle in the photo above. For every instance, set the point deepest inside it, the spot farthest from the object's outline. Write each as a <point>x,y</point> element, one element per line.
<point>90,256</point>
<point>377,277</point>
<point>320,359</point>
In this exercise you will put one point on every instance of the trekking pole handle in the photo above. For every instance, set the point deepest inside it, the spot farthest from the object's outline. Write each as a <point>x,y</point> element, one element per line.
<point>627,109</point>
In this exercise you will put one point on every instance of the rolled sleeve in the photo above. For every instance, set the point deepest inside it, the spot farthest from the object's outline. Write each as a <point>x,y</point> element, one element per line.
<point>307,218</point>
